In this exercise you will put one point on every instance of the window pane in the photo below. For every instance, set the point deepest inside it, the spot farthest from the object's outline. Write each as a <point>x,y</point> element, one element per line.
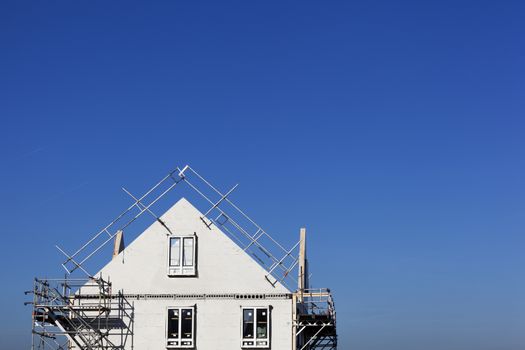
<point>173,323</point>
<point>247,323</point>
<point>187,322</point>
<point>262,323</point>
<point>175,251</point>
<point>188,251</point>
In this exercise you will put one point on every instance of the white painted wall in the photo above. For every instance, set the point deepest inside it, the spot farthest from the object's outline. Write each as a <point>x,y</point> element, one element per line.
<point>218,323</point>
<point>222,268</point>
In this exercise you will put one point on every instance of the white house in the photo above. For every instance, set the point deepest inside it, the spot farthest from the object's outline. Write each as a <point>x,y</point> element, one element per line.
<point>184,283</point>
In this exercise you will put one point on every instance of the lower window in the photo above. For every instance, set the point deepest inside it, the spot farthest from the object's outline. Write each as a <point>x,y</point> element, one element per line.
<point>255,327</point>
<point>181,327</point>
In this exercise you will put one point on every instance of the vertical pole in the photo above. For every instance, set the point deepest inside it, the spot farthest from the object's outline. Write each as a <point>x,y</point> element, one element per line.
<point>132,324</point>
<point>35,300</point>
<point>294,321</point>
<point>303,273</point>
<point>302,284</point>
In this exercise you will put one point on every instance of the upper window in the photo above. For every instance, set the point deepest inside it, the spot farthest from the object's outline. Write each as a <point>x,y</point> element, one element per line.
<point>255,327</point>
<point>181,327</point>
<point>181,257</point>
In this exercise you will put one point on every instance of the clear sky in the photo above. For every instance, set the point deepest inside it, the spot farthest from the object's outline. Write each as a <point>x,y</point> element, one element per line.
<point>394,130</point>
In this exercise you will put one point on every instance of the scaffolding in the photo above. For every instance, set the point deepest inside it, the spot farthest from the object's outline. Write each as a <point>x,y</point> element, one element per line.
<point>315,321</point>
<point>221,211</point>
<point>279,262</point>
<point>80,314</point>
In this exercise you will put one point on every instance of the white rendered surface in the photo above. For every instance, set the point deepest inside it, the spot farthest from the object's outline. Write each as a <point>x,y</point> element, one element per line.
<point>222,268</point>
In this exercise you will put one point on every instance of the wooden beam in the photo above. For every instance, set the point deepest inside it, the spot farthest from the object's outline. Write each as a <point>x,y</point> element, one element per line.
<point>303,264</point>
<point>119,244</point>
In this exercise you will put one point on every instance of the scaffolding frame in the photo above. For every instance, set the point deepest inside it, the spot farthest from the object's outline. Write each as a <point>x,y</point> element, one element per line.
<point>65,317</point>
<point>278,261</point>
<point>315,320</point>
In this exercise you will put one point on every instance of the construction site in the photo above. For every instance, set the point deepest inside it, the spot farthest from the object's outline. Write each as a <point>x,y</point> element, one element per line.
<point>201,274</point>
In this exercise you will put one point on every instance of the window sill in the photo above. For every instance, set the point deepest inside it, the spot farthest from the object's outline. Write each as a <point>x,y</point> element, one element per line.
<point>181,272</point>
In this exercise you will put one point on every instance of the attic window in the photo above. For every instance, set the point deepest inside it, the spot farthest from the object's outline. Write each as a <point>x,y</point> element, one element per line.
<point>255,327</point>
<point>181,256</point>
<point>180,327</point>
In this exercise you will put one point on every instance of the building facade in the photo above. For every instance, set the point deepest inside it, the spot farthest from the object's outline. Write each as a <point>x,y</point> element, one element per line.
<point>188,281</point>
<point>195,288</point>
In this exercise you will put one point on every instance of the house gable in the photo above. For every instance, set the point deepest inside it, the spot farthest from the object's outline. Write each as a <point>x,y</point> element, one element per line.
<point>222,266</point>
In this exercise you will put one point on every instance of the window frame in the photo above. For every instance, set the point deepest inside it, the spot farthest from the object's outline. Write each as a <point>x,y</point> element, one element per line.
<point>180,339</point>
<point>182,269</point>
<point>255,339</point>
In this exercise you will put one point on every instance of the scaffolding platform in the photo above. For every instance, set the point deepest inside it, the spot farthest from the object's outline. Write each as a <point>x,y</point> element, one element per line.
<point>315,320</point>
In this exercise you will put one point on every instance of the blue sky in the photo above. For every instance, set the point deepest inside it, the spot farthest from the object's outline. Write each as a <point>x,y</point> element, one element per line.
<point>392,129</point>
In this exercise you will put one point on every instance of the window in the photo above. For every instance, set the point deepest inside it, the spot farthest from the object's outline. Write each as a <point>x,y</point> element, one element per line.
<point>181,327</point>
<point>255,327</point>
<point>181,256</point>
<point>188,251</point>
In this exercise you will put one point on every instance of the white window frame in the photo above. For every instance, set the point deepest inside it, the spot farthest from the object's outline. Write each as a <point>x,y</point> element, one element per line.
<point>189,343</point>
<point>255,342</point>
<point>181,269</point>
